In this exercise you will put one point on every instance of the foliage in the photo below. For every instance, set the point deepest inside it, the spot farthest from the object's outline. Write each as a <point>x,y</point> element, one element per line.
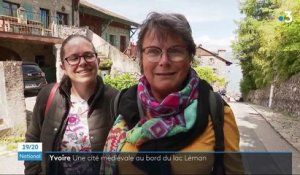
<point>125,80</point>
<point>195,63</point>
<point>246,85</point>
<point>105,64</point>
<point>121,81</point>
<point>268,49</point>
<point>208,74</point>
<point>11,142</point>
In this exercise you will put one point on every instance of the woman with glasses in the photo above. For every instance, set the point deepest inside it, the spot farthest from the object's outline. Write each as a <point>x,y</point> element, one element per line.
<point>79,117</point>
<point>168,110</point>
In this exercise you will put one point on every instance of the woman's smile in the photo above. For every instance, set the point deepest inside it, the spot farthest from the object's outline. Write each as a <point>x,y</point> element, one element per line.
<point>84,71</point>
<point>165,74</point>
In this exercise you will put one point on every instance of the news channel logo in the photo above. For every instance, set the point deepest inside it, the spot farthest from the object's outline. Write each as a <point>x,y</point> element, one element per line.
<point>287,18</point>
<point>31,151</point>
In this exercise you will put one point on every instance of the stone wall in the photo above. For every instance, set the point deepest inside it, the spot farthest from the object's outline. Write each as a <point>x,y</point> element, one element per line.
<point>12,96</point>
<point>64,31</point>
<point>3,101</point>
<point>260,96</point>
<point>286,96</point>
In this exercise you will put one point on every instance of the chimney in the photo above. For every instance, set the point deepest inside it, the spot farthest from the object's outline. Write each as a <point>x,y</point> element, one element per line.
<point>221,53</point>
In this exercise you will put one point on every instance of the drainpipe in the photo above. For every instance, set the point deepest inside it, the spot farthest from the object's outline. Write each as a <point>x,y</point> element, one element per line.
<point>73,5</point>
<point>271,95</point>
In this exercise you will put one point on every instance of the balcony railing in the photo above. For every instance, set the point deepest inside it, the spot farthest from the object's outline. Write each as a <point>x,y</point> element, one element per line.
<point>28,23</point>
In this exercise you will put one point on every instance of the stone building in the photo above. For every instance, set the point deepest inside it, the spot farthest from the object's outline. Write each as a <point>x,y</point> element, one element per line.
<point>216,61</point>
<point>29,29</point>
<point>33,30</point>
<point>112,27</point>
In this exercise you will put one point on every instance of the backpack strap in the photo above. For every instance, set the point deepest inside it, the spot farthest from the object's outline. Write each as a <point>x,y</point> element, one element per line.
<point>114,110</point>
<point>216,105</point>
<point>50,98</point>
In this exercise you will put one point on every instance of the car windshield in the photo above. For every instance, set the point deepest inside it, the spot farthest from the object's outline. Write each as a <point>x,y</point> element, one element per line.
<point>30,68</point>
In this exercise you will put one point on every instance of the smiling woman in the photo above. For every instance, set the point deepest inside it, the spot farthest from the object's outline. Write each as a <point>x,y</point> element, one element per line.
<point>79,117</point>
<point>168,109</point>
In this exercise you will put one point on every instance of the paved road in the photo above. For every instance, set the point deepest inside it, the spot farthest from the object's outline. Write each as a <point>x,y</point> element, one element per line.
<point>10,164</point>
<point>259,136</point>
<point>30,101</point>
<point>9,160</point>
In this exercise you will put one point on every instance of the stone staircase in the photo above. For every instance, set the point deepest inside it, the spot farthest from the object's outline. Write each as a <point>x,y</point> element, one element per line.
<point>121,62</point>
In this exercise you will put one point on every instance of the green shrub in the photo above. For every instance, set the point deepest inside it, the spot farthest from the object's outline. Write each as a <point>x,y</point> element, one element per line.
<point>105,64</point>
<point>246,86</point>
<point>208,74</point>
<point>121,81</point>
<point>11,142</point>
<point>125,80</point>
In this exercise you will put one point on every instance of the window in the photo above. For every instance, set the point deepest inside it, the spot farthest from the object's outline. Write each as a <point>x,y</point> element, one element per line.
<point>122,43</point>
<point>62,18</point>
<point>45,17</point>
<point>215,70</point>
<point>10,9</point>
<point>211,61</point>
<point>112,40</point>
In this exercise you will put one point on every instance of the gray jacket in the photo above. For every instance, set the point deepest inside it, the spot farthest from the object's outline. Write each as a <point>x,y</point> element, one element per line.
<point>49,129</point>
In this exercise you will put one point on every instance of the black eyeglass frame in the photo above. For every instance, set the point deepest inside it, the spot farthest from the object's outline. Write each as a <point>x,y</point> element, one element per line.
<point>95,55</point>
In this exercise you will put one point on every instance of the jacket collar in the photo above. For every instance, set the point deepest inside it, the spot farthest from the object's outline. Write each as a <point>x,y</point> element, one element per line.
<point>65,89</point>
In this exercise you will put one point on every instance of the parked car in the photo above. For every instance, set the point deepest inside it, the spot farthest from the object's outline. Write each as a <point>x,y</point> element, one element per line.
<point>33,76</point>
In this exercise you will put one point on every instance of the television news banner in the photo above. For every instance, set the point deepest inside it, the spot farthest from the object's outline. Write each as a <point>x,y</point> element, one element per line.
<point>252,162</point>
<point>32,151</point>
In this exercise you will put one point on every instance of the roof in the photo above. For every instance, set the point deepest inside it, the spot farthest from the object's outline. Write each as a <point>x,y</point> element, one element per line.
<point>107,13</point>
<point>215,55</point>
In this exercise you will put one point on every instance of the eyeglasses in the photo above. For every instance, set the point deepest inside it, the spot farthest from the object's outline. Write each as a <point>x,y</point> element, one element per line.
<point>75,59</point>
<point>175,53</point>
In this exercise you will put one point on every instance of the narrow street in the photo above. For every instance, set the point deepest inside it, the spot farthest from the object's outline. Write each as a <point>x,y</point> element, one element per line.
<point>257,135</point>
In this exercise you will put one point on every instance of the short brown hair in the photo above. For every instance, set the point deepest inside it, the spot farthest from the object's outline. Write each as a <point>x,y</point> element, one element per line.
<point>165,23</point>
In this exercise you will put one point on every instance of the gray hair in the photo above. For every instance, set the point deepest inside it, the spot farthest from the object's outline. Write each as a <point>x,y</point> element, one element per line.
<point>164,23</point>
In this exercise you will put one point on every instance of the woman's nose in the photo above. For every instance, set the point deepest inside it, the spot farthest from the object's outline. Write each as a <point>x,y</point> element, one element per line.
<point>164,59</point>
<point>81,60</point>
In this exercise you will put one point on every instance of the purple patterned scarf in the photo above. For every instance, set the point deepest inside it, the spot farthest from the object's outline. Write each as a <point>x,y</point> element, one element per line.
<point>167,115</point>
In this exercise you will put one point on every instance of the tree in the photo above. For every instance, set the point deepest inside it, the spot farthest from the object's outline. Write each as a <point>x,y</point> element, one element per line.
<point>267,48</point>
<point>208,74</point>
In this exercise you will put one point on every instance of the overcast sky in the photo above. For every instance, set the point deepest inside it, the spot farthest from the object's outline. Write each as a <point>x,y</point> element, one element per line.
<point>212,21</point>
